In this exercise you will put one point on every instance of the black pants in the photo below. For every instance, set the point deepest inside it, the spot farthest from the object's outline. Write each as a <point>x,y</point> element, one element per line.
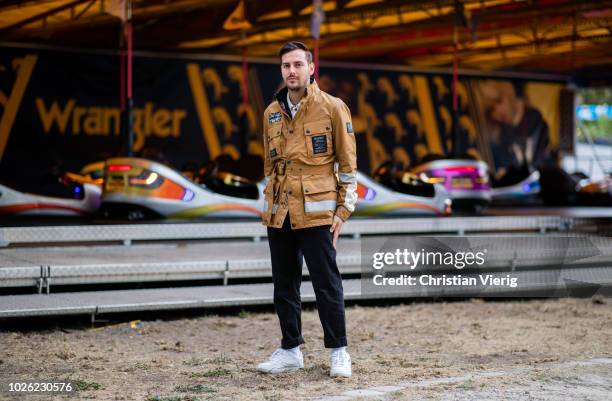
<point>287,247</point>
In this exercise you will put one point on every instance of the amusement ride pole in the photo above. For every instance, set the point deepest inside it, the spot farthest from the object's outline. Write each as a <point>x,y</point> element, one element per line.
<point>245,101</point>
<point>456,132</point>
<point>130,100</point>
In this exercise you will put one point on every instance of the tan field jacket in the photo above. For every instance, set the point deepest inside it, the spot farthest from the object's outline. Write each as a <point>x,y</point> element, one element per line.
<point>310,161</point>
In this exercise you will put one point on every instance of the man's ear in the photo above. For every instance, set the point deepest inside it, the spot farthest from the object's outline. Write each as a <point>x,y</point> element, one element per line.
<point>311,68</point>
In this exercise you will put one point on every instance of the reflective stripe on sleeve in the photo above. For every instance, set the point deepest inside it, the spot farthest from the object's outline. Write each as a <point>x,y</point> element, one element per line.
<point>350,199</point>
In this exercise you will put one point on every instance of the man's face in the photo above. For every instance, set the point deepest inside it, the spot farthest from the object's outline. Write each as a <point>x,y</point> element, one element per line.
<point>502,102</point>
<point>500,110</point>
<point>296,70</point>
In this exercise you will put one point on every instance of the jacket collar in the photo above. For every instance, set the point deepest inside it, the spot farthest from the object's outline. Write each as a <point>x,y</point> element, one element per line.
<point>281,96</point>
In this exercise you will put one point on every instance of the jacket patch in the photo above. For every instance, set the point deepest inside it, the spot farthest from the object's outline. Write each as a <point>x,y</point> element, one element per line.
<point>349,127</point>
<point>273,152</point>
<point>319,144</point>
<point>274,117</point>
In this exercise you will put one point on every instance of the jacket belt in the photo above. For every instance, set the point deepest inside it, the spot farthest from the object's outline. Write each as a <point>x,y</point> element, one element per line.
<point>292,167</point>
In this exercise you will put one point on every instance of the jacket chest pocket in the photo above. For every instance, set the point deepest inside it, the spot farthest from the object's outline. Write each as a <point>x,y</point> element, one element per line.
<point>318,136</point>
<point>276,146</point>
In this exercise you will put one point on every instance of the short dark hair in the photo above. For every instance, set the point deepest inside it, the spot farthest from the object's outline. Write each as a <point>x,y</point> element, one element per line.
<point>294,45</point>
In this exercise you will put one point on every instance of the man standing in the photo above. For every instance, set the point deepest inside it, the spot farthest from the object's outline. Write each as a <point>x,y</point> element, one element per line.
<point>307,134</point>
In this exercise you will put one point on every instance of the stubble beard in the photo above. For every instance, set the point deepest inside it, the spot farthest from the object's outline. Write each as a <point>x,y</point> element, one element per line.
<point>296,88</point>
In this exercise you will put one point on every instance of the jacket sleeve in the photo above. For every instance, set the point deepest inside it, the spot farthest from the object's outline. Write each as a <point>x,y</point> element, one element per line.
<point>345,149</point>
<point>267,163</point>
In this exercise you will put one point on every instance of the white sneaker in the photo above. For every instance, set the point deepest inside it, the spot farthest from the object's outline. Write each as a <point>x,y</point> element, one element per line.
<point>282,360</point>
<point>340,364</point>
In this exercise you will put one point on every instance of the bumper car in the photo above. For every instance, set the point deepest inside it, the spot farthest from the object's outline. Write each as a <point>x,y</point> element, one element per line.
<point>396,193</point>
<point>560,188</point>
<point>65,197</point>
<point>595,193</point>
<point>465,180</point>
<point>138,189</point>
<point>517,185</point>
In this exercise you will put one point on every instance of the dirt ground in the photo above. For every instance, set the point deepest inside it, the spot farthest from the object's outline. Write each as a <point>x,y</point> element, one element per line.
<point>211,357</point>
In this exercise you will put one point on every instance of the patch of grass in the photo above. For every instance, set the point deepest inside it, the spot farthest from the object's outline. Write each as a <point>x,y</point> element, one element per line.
<point>243,314</point>
<point>82,385</point>
<point>172,398</point>
<point>220,360</point>
<point>193,362</point>
<point>195,388</point>
<point>467,385</point>
<point>162,398</point>
<point>217,372</point>
<point>195,375</point>
<point>135,367</point>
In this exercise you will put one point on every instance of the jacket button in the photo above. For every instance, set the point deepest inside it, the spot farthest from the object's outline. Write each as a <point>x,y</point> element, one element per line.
<point>327,128</point>
<point>306,190</point>
<point>290,192</point>
<point>291,131</point>
<point>308,131</point>
<point>289,162</point>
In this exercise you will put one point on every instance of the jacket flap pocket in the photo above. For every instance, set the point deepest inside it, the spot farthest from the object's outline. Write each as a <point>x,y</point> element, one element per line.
<point>318,184</point>
<point>317,127</point>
